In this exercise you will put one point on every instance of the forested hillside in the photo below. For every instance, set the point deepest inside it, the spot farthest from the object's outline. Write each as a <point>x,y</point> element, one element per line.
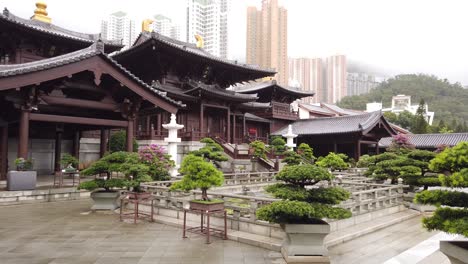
<point>448,101</point>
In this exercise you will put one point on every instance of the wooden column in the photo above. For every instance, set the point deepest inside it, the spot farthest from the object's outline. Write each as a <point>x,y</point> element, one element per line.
<point>243,126</point>
<point>202,121</point>
<point>130,135</point>
<point>58,148</point>
<point>4,152</point>
<point>76,144</point>
<point>103,142</point>
<point>228,139</point>
<point>159,124</point>
<point>377,150</point>
<point>358,151</point>
<point>234,128</point>
<point>148,124</point>
<point>23,135</point>
<point>335,147</point>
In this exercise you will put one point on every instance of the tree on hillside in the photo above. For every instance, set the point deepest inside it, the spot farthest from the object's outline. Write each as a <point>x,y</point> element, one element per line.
<point>420,125</point>
<point>445,99</point>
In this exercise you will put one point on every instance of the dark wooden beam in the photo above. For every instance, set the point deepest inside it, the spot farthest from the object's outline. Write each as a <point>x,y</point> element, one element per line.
<point>4,152</point>
<point>58,149</point>
<point>77,120</point>
<point>130,135</point>
<point>52,100</point>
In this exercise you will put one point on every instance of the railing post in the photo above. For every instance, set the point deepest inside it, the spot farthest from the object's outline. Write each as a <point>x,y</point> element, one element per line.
<point>253,210</point>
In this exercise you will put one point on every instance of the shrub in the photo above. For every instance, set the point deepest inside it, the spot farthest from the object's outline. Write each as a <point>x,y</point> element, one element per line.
<point>118,142</point>
<point>159,163</point>
<point>198,173</point>
<point>278,145</point>
<point>333,161</point>
<point>103,184</point>
<point>259,149</point>
<point>23,164</point>
<point>292,158</point>
<point>363,161</point>
<point>303,175</point>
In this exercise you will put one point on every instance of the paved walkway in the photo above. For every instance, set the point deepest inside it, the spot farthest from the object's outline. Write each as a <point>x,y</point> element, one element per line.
<point>382,245</point>
<point>66,232</point>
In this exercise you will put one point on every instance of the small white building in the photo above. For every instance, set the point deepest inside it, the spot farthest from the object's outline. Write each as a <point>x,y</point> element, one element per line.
<point>401,103</point>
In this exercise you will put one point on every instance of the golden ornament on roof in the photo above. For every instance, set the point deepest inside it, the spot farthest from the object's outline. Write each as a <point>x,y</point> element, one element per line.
<point>40,13</point>
<point>145,25</point>
<point>200,42</point>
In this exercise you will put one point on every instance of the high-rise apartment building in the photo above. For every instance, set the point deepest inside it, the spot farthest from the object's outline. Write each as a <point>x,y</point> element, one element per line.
<point>164,26</point>
<point>267,38</point>
<point>335,86</point>
<point>209,19</point>
<point>308,74</point>
<point>360,83</point>
<point>119,27</point>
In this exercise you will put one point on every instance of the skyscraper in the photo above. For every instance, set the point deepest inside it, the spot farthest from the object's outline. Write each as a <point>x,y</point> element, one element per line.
<point>164,26</point>
<point>336,79</point>
<point>119,27</point>
<point>209,19</point>
<point>267,38</point>
<point>308,73</point>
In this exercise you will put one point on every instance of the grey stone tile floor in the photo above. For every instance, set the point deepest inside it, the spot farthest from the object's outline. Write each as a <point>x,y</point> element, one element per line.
<point>67,232</point>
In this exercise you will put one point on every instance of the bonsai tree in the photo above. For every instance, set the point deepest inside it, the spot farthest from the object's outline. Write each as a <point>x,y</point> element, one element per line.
<point>306,152</point>
<point>259,149</point>
<point>118,140</point>
<point>333,161</point>
<point>363,161</point>
<point>453,217</point>
<point>157,160</point>
<point>198,173</point>
<point>303,205</point>
<point>292,158</point>
<point>212,151</point>
<point>400,144</point>
<point>69,160</point>
<point>421,159</point>
<point>278,145</point>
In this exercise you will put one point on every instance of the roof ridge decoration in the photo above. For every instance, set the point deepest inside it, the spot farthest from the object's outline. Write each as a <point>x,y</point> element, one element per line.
<point>55,30</point>
<point>40,13</point>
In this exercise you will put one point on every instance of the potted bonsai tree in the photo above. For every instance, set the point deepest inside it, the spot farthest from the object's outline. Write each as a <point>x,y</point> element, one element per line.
<point>451,215</point>
<point>104,193</point>
<point>69,162</point>
<point>201,174</point>
<point>303,210</point>
<point>23,178</point>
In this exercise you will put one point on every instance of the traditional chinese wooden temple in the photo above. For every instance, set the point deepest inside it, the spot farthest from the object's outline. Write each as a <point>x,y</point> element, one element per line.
<point>354,135</point>
<point>56,85</point>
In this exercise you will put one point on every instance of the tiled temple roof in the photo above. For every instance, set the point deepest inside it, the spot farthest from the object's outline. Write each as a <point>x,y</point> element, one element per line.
<point>258,86</point>
<point>317,109</point>
<point>429,140</point>
<point>192,49</point>
<point>56,31</point>
<point>219,92</point>
<point>339,110</point>
<point>97,49</point>
<point>334,125</point>
<point>252,117</point>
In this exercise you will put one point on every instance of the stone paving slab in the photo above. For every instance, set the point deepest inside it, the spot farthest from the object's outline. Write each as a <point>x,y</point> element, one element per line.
<point>66,232</point>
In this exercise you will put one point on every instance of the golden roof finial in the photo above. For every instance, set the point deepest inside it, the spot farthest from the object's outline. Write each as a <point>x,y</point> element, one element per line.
<point>145,25</point>
<point>200,42</point>
<point>40,13</point>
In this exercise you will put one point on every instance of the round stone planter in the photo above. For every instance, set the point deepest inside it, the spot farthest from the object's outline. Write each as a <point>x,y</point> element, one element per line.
<point>105,200</point>
<point>305,239</point>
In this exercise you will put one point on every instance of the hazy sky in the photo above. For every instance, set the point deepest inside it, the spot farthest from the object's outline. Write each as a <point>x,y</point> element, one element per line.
<point>400,36</point>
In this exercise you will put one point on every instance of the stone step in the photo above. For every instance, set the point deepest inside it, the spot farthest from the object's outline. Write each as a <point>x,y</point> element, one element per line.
<point>333,238</point>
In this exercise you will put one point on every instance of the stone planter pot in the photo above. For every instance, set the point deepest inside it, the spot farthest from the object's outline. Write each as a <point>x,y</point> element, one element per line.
<point>21,180</point>
<point>139,195</point>
<point>305,239</point>
<point>456,251</point>
<point>216,206</point>
<point>105,200</point>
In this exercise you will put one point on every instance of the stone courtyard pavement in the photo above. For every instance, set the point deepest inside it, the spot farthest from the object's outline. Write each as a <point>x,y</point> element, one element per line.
<point>66,232</point>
